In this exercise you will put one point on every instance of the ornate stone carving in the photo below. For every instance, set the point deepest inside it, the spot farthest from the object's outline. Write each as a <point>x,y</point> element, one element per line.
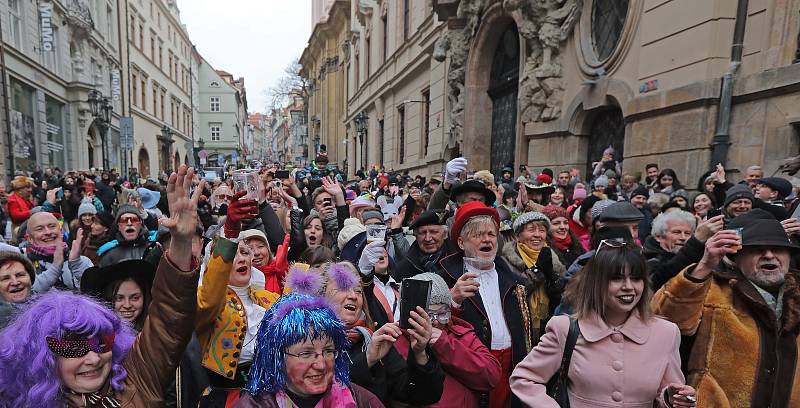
<point>455,42</point>
<point>79,15</point>
<point>346,50</point>
<point>545,25</point>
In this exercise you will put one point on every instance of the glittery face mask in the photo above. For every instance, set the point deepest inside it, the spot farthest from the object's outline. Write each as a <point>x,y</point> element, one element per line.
<point>76,347</point>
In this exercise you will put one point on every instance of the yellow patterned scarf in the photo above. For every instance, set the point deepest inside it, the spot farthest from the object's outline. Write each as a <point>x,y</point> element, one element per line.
<point>538,301</point>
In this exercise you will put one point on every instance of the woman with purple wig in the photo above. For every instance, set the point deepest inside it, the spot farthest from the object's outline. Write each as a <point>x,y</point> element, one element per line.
<point>66,350</point>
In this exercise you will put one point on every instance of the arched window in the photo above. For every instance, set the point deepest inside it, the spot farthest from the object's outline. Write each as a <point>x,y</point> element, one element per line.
<point>503,86</point>
<point>608,19</point>
<point>608,129</point>
<point>144,163</point>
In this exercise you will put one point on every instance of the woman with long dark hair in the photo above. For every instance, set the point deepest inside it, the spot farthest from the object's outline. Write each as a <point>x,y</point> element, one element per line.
<point>623,355</point>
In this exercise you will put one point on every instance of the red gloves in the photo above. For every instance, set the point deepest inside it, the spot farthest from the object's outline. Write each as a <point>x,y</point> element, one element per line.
<point>238,211</point>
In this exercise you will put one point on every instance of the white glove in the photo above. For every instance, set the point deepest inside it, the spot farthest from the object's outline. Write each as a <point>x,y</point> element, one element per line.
<point>454,169</point>
<point>372,253</point>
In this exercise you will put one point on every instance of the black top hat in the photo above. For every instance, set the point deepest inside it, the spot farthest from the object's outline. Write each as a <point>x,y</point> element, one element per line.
<point>474,186</point>
<point>95,280</point>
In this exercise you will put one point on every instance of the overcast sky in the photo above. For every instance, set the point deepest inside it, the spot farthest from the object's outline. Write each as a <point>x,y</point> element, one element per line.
<point>254,39</point>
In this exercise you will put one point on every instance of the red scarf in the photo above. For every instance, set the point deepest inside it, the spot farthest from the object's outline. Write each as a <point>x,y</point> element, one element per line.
<point>353,334</point>
<point>563,244</point>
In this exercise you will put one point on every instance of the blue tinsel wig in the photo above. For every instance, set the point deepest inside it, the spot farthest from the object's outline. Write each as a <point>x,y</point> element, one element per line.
<point>293,319</point>
<point>29,375</point>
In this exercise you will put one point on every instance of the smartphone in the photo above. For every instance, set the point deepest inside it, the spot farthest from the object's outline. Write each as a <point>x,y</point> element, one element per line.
<point>413,293</point>
<point>713,213</point>
<point>328,201</point>
<point>282,174</point>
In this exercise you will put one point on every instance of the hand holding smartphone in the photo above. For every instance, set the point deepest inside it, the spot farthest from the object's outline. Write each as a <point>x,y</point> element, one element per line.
<point>413,293</point>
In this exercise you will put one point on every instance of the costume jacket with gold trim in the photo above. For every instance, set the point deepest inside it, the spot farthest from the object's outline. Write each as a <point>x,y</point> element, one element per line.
<point>221,322</point>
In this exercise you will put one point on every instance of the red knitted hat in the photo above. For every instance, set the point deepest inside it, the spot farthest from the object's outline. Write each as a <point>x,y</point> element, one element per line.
<point>553,211</point>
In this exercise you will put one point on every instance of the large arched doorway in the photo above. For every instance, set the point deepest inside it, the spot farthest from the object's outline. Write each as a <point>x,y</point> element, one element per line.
<point>144,163</point>
<point>503,87</point>
<point>608,129</point>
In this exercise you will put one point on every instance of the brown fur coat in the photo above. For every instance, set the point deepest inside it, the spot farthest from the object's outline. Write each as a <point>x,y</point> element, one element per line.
<point>742,355</point>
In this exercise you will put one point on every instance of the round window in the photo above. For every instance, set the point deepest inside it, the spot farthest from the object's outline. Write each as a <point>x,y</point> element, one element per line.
<point>608,20</point>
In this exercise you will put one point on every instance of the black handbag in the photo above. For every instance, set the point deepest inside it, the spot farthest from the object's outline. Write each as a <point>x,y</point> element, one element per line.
<point>557,386</point>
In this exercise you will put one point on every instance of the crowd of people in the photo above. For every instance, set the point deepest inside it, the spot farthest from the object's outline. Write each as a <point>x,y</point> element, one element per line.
<point>545,289</point>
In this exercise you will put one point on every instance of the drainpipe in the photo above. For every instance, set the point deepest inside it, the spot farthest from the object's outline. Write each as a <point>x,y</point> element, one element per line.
<point>722,136</point>
<point>6,109</point>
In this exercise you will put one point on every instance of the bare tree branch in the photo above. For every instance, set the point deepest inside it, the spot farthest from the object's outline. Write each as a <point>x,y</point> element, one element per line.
<point>291,82</point>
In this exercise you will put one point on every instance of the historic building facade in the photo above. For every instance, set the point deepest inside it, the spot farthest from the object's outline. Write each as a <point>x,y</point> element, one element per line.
<point>324,64</point>
<point>222,120</point>
<point>159,80</point>
<point>553,83</point>
<point>53,54</point>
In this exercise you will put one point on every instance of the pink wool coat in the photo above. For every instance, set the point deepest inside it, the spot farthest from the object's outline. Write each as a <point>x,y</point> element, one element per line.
<point>627,368</point>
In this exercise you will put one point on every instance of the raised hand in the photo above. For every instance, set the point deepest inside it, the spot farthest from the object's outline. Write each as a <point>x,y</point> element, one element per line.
<point>720,244</point>
<point>466,287</point>
<point>332,187</point>
<point>370,256</point>
<point>75,251</point>
<point>58,255</point>
<point>706,229</point>
<point>454,169</point>
<point>238,211</point>
<point>419,334</point>
<point>182,221</point>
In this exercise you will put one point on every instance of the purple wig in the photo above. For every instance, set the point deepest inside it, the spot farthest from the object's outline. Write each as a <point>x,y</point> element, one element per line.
<point>30,377</point>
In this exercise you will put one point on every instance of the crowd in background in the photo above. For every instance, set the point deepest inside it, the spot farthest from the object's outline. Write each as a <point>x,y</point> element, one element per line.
<point>546,288</point>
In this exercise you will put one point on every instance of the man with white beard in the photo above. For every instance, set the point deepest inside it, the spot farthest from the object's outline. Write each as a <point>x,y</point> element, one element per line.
<point>487,294</point>
<point>741,304</point>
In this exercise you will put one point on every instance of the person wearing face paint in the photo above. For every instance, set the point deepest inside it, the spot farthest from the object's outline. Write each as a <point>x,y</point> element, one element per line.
<point>740,304</point>
<point>67,350</point>
<point>300,359</point>
<point>132,240</point>
<point>16,280</point>
<point>230,309</point>
<point>408,373</point>
<point>487,294</point>
<point>623,356</point>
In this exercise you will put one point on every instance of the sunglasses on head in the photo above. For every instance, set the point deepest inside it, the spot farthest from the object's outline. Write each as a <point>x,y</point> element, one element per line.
<point>132,220</point>
<point>615,243</point>
<point>76,347</point>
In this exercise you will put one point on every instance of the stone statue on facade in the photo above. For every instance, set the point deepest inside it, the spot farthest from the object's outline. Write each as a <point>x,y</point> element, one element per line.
<point>545,25</point>
<point>455,42</point>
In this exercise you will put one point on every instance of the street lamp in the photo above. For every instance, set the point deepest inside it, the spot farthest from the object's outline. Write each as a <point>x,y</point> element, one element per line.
<point>101,109</point>
<point>362,124</point>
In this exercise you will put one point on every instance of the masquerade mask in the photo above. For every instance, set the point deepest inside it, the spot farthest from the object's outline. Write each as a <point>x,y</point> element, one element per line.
<point>80,346</point>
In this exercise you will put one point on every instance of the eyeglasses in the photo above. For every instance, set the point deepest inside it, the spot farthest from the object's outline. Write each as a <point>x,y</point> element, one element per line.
<point>311,356</point>
<point>223,197</point>
<point>615,243</point>
<point>131,220</point>
<point>79,347</point>
<point>442,317</point>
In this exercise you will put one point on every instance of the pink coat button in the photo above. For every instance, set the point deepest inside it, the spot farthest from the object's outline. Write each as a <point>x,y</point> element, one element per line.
<point>616,365</point>
<point>617,337</point>
<point>616,396</point>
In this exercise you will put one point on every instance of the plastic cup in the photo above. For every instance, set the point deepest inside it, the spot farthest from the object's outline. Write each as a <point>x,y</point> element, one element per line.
<point>376,232</point>
<point>739,232</point>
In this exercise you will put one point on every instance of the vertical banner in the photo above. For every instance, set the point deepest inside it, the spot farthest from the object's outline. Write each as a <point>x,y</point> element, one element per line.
<point>46,25</point>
